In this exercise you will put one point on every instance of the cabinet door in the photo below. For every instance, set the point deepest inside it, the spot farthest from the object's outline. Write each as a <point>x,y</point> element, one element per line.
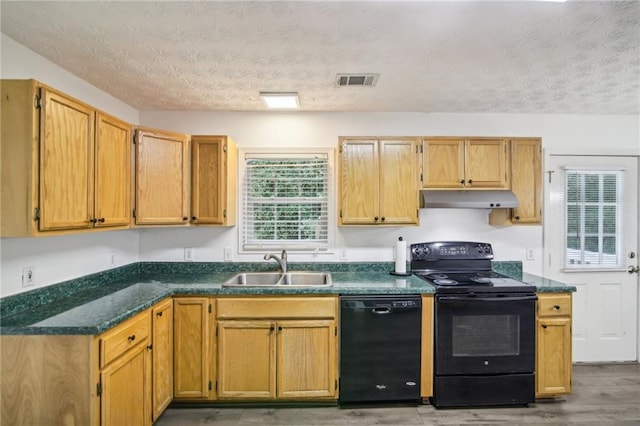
<point>162,178</point>
<point>192,322</point>
<point>486,163</point>
<point>398,182</point>
<point>208,183</point>
<point>526,180</point>
<point>246,359</point>
<point>443,163</point>
<point>553,362</point>
<point>162,357</point>
<point>112,172</point>
<point>426,356</point>
<point>306,357</point>
<point>126,389</point>
<point>66,163</point>
<point>359,182</point>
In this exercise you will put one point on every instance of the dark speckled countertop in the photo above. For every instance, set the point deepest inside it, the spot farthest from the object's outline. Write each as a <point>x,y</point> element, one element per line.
<point>98,302</point>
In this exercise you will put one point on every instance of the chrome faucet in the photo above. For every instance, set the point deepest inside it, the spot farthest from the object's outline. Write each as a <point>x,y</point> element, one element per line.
<point>282,260</point>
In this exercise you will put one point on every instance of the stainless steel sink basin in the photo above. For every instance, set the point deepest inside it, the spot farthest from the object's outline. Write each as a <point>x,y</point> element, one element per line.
<point>276,279</point>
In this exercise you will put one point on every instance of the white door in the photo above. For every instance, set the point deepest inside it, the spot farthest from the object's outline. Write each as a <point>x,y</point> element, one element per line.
<point>591,242</point>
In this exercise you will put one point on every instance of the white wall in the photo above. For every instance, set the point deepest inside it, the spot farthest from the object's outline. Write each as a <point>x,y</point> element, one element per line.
<point>60,258</point>
<point>56,259</point>
<point>570,133</point>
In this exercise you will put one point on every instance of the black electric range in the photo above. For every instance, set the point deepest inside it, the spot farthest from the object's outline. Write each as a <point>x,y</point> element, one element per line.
<point>484,327</point>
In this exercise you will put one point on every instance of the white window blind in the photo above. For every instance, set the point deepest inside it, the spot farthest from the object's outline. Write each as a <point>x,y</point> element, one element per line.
<point>593,220</point>
<point>285,202</point>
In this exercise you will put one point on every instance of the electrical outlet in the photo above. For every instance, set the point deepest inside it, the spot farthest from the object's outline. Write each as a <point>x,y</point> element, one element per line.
<point>343,254</point>
<point>188,254</point>
<point>27,276</point>
<point>530,254</point>
<point>228,254</point>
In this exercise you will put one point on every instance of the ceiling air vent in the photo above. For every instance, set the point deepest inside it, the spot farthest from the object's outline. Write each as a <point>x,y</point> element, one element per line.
<point>357,80</point>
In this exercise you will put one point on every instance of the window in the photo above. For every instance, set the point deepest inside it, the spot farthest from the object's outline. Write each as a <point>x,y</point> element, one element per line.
<point>594,209</point>
<point>285,201</point>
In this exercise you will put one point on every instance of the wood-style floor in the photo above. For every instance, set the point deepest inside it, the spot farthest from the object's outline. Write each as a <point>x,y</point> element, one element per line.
<point>602,395</point>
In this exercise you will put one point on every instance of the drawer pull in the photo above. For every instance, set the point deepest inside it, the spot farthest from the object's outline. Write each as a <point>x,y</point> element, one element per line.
<point>159,314</point>
<point>556,307</point>
<point>132,337</point>
<point>544,325</point>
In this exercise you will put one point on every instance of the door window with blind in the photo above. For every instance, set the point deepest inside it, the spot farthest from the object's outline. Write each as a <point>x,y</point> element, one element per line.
<point>594,211</point>
<point>285,201</point>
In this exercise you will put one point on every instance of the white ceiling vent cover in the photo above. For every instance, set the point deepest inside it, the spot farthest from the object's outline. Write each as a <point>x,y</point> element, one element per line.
<point>356,80</point>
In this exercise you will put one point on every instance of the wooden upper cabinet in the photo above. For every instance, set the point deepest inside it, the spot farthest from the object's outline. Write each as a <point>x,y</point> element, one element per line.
<point>443,163</point>
<point>162,178</point>
<point>398,181</point>
<point>213,180</point>
<point>486,163</point>
<point>378,181</point>
<point>66,162</point>
<point>465,163</point>
<point>526,180</point>
<point>112,171</point>
<point>65,165</point>
<point>526,184</point>
<point>359,181</point>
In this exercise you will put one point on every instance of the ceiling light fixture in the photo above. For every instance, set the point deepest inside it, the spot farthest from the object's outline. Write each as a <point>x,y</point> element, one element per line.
<point>280,100</point>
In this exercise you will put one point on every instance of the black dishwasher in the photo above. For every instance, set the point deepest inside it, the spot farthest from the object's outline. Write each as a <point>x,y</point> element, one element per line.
<point>380,348</point>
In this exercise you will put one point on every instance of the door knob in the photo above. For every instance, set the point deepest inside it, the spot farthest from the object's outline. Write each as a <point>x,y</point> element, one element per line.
<point>634,269</point>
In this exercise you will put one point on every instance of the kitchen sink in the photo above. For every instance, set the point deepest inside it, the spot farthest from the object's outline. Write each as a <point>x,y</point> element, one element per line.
<point>277,279</point>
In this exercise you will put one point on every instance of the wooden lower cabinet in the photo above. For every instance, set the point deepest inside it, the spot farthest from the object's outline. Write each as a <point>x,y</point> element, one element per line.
<point>162,357</point>
<point>125,372</point>
<point>246,359</point>
<point>553,345</point>
<point>273,355</point>
<point>426,360</point>
<point>126,389</point>
<point>194,350</point>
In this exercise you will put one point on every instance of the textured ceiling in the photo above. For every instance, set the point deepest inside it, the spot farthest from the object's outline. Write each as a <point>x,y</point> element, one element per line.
<point>449,56</point>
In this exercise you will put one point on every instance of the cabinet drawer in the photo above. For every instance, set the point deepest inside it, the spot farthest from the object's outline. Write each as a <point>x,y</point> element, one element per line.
<point>277,307</point>
<point>124,337</point>
<point>552,305</point>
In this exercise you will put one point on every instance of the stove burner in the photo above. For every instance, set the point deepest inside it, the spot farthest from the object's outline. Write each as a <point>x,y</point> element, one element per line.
<point>437,276</point>
<point>445,281</point>
<point>481,280</point>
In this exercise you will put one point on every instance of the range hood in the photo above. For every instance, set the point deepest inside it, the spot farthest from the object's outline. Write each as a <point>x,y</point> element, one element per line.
<point>468,199</point>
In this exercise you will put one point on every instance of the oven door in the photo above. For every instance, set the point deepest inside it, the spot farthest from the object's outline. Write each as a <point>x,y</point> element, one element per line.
<point>484,334</point>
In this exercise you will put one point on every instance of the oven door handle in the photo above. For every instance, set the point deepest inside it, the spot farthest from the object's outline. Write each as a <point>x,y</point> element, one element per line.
<point>453,299</point>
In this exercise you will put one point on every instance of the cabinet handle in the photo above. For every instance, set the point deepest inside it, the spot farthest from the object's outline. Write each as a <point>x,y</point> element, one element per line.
<point>497,204</point>
<point>101,220</point>
<point>382,218</point>
<point>159,314</point>
<point>544,325</point>
<point>185,218</point>
<point>94,220</point>
<point>375,218</point>
<point>462,181</point>
<point>556,307</point>
<point>150,347</point>
<point>280,328</point>
<point>193,218</point>
<point>470,181</point>
<point>517,218</point>
<point>132,337</point>
<point>272,328</point>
